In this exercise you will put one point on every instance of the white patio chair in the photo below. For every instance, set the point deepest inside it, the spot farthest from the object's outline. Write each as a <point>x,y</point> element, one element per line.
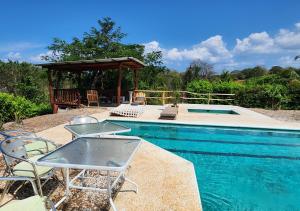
<point>33,203</point>
<point>20,164</point>
<point>83,120</point>
<point>15,133</point>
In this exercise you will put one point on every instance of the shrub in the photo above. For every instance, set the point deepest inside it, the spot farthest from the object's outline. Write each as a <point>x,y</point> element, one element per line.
<point>200,86</point>
<point>227,87</point>
<point>18,108</point>
<point>262,96</point>
<point>294,93</point>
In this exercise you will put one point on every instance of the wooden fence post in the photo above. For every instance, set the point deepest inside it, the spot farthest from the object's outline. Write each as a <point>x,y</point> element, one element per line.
<point>208,98</point>
<point>163,98</point>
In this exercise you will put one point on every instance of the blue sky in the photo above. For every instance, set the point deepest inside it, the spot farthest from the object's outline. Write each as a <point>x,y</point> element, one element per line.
<point>229,34</point>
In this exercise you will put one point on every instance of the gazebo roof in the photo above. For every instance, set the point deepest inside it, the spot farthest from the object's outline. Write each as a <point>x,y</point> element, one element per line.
<point>95,64</point>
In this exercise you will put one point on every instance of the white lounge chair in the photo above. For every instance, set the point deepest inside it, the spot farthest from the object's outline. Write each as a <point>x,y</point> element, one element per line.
<point>127,110</point>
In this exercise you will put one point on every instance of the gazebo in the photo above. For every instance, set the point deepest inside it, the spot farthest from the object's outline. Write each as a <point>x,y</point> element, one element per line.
<point>71,97</point>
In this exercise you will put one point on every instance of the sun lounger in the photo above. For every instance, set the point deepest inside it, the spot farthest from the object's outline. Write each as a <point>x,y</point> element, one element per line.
<point>169,113</point>
<point>127,110</point>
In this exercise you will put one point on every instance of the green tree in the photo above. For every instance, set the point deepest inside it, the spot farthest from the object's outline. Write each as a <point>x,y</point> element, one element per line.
<point>225,76</point>
<point>103,41</point>
<point>23,79</point>
<point>198,70</point>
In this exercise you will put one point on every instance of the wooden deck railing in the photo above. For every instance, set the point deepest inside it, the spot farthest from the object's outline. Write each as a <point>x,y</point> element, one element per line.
<point>186,96</point>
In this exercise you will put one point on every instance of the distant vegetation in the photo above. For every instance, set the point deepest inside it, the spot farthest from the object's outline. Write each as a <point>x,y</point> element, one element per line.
<point>277,88</point>
<point>254,87</point>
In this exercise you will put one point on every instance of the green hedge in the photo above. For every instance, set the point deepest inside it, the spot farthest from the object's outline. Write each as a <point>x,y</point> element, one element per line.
<point>254,94</point>
<point>16,108</point>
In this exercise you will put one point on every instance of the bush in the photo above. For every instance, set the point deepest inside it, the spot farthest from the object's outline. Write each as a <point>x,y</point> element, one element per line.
<point>200,86</point>
<point>262,96</point>
<point>294,93</point>
<point>16,108</point>
<point>227,87</point>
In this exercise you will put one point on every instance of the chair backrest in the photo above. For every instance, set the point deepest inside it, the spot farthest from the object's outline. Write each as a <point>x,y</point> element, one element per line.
<point>140,94</point>
<point>13,149</point>
<point>92,95</point>
<point>15,133</point>
<point>83,120</point>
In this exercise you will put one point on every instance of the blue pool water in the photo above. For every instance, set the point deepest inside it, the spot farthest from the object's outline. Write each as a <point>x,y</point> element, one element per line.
<point>237,169</point>
<point>212,111</point>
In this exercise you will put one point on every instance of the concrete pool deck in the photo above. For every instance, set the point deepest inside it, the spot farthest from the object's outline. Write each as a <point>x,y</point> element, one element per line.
<point>246,117</point>
<point>165,180</point>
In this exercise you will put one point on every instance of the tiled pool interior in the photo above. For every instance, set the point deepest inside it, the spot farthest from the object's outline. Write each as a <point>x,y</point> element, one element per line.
<point>212,111</point>
<point>237,169</point>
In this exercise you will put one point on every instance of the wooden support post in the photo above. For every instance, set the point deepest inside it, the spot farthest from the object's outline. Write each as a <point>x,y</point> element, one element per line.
<point>135,79</point>
<point>119,86</point>
<point>50,87</point>
<point>78,78</point>
<point>208,98</point>
<point>135,82</point>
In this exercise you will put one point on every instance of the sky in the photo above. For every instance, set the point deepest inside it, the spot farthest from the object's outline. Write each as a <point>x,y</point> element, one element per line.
<point>229,34</point>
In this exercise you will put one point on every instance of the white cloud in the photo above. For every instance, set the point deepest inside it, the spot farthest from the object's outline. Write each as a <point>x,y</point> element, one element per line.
<point>18,46</point>
<point>211,50</point>
<point>13,56</point>
<point>287,39</point>
<point>286,61</point>
<point>255,43</point>
<point>38,58</point>
<point>152,46</point>
<point>263,43</point>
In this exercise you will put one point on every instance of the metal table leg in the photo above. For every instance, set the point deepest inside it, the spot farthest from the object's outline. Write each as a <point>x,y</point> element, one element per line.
<point>67,192</point>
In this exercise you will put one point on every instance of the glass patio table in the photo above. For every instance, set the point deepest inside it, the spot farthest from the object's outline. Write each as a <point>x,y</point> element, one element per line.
<point>96,129</point>
<point>107,153</point>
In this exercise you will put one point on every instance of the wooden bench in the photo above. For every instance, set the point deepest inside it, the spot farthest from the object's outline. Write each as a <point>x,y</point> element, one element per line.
<point>67,97</point>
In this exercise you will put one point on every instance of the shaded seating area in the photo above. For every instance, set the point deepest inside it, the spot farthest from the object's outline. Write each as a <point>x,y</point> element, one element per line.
<point>72,97</point>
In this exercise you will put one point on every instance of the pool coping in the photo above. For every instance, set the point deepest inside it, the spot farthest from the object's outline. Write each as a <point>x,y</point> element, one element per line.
<point>175,122</point>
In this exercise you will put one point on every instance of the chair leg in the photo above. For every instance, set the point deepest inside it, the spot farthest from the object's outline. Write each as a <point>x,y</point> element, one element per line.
<point>34,187</point>
<point>5,190</point>
<point>39,185</point>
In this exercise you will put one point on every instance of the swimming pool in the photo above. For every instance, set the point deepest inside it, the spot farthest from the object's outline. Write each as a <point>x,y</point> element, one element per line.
<point>212,111</point>
<point>237,169</point>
